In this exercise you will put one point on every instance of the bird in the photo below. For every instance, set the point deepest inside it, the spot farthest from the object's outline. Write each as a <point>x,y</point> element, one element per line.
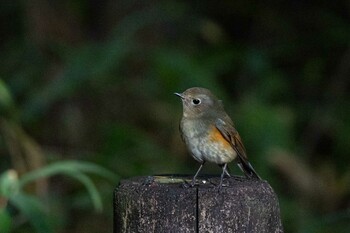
<point>209,133</point>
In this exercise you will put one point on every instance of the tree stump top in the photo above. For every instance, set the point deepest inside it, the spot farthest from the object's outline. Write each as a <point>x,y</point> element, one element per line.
<point>162,204</point>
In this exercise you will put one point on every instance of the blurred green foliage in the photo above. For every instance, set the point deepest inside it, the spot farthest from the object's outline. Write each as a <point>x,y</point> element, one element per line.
<point>93,81</point>
<point>13,195</point>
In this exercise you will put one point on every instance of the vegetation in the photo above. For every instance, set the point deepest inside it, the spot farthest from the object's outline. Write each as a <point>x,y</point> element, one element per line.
<point>86,91</point>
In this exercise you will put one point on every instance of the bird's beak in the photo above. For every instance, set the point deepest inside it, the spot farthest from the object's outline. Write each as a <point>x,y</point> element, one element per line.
<point>179,95</point>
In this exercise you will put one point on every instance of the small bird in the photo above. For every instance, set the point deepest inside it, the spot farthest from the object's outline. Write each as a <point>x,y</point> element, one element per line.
<point>209,133</point>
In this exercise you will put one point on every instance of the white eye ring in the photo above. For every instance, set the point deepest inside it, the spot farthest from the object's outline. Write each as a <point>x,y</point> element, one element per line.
<point>196,101</point>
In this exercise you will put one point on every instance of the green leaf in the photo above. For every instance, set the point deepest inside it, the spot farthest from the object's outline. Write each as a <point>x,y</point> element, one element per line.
<point>76,170</point>
<point>6,101</point>
<point>34,210</point>
<point>5,221</point>
<point>66,168</point>
<point>91,188</point>
<point>8,183</point>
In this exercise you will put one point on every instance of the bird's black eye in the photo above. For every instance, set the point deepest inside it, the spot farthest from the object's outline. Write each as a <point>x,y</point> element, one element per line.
<point>196,101</point>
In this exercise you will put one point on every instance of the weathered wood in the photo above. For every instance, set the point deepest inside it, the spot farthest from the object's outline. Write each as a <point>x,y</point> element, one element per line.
<point>161,204</point>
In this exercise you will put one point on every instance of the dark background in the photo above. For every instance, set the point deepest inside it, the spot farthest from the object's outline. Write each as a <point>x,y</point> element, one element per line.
<point>94,81</point>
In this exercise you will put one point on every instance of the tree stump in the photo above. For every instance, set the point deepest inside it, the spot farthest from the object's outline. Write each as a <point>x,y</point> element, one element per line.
<point>161,204</point>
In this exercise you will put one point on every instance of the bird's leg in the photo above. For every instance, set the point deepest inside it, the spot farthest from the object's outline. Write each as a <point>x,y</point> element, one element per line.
<point>226,171</point>
<point>222,176</point>
<point>195,176</point>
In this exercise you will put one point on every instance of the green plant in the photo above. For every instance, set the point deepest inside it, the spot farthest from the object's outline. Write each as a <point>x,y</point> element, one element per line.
<point>13,194</point>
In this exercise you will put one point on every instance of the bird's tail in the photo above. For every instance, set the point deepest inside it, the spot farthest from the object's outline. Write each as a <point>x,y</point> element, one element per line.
<point>247,169</point>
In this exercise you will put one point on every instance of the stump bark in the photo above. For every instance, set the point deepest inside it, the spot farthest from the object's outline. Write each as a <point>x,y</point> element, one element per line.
<point>162,204</point>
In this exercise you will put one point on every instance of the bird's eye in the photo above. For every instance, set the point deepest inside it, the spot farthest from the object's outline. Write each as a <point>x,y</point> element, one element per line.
<point>196,101</point>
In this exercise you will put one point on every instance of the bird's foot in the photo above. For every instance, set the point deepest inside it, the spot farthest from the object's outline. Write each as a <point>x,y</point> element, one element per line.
<point>148,181</point>
<point>187,184</point>
<point>218,188</point>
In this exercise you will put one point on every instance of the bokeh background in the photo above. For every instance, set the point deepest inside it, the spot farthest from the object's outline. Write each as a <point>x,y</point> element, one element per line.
<point>92,81</point>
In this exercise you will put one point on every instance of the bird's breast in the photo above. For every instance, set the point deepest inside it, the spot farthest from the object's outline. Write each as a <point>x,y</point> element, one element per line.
<point>206,143</point>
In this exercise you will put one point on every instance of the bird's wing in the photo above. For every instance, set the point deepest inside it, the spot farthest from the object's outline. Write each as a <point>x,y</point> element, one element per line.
<point>231,135</point>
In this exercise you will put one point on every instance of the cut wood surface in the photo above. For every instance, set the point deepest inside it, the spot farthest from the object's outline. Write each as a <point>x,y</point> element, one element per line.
<point>162,204</point>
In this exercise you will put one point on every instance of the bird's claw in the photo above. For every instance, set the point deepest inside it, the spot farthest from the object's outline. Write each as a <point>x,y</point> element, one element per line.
<point>148,181</point>
<point>187,184</point>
